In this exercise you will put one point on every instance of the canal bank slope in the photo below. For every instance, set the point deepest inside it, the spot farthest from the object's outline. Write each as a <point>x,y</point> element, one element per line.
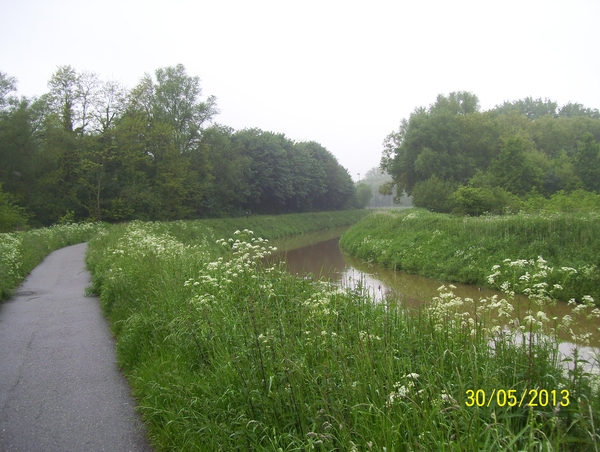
<point>60,388</point>
<point>465,249</point>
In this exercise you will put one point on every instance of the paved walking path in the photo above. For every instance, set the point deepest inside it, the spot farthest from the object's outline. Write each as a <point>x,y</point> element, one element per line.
<point>60,388</point>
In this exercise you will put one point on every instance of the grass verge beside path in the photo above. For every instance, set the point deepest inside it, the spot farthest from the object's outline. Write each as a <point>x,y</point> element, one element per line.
<point>266,226</point>
<point>226,352</point>
<point>21,252</point>
<point>464,249</point>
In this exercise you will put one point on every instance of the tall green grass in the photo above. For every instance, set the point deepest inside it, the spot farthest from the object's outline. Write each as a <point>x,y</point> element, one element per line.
<point>21,252</point>
<point>226,352</point>
<point>464,249</point>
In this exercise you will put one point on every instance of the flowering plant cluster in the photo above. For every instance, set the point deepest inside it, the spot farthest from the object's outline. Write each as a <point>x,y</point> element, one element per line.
<point>225,276</point>
<point>10,257</point>
<point>495,316</point>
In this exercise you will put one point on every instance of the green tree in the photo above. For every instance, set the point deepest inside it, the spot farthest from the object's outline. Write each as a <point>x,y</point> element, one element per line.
<point>562,175</point>
<point>58,181</point>
<point>458,103</point>
<point>70,97</point>
<point>337,187</point>
<point>512,123</point>
<point>290,177</point>
<point>554,135</point>
<point>174,99</point>
<point>270,183</point>
<point>109,107</point>
<point>12,216</point>
<point>433,163</point>
<point>434,142</point>
<point>228,191</point>
<point>18,145</point>
<point>529,107</point>
<point>171,117</point>
<point>66,113</point>
<point>573,109</point>
<point>396,161</point>
<point>309,178</point>
<point>587,163</point>
<point>363,195</point>
<point>96,175</point>
<point>434,194</point>
<point>17,148</point>
<point>100,154</point>
<point>174,181</point>
<point>513,170</point>
<point>136,197</point>
<point>480,139</point>
<point>8,84</point>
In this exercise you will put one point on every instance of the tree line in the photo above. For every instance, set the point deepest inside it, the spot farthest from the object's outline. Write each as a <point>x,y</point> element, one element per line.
<point>451,156</point>
<point>92,149</point>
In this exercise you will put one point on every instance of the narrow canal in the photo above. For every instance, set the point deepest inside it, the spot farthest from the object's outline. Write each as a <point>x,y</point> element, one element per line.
<point>319,256</point>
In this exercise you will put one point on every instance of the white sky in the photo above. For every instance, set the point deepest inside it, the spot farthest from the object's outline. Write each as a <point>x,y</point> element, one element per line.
<point>342,73</point>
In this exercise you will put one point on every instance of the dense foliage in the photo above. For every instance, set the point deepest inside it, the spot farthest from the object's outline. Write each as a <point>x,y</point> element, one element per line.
<point>515,149</point>
<point>227,352</point>
<point>153,152</point>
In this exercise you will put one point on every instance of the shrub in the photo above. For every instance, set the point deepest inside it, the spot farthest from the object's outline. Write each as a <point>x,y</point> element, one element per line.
<point>434,194</point>
<point>12,217</point>
<point>478,200</point>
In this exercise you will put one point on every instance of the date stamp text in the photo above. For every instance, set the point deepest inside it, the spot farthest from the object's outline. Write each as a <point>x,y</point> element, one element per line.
<point>512,397</point>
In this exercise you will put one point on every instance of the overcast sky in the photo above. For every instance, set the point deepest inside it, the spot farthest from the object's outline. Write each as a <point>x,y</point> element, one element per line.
<point>342,73</point>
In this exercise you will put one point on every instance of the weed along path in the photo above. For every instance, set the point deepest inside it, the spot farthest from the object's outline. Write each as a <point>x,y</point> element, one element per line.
<point>60,388</point>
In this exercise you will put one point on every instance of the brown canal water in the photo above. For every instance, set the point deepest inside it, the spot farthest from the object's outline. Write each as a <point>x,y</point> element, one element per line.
<point>318,256</point>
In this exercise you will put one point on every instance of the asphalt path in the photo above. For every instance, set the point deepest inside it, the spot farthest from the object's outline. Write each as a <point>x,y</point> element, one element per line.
<point>60,387</point>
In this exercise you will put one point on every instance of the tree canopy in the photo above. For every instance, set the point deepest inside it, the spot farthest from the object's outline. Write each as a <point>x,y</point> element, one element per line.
<point>520,147</point>
<point>96,150</point>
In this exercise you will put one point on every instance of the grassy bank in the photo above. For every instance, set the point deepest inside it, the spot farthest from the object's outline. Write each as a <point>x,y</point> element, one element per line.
<point>267,226</point>
<point>464,249</point>
<point>226,352</point>
<point>21,252</point>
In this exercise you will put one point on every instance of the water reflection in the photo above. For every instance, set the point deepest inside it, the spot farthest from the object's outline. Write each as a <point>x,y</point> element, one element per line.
<point>325,260</point>
<point>322,258</point>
